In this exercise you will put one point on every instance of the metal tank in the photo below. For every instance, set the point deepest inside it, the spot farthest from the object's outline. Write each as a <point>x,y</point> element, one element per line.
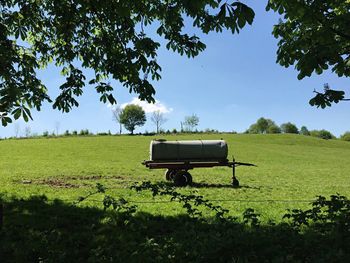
<point>203,150</point>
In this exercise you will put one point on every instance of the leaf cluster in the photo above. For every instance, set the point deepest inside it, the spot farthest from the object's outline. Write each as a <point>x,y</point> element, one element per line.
<point>109,37</point>
<point>191,202</point>
<point>325,215</point>
<point>314,36</point>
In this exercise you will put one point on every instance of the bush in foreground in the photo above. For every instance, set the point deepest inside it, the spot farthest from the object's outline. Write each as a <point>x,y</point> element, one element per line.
<point>39,230</point>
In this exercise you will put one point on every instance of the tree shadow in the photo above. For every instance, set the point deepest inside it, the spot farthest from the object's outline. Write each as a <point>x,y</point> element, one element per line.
<point>37,230</point>
<point>207,185</point>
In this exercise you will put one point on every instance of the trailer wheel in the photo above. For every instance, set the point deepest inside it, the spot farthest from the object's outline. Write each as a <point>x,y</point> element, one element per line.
<point>182,178</point>
<point>170,174</point>
<point>235,182</point>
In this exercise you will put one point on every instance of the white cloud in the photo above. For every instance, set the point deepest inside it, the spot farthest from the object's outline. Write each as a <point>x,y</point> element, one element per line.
<point>148,107</point>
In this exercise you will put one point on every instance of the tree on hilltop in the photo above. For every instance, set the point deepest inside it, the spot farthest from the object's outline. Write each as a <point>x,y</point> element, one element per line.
<point>289,128</point>
<point>191,122</point>
<point>304,131</point>
<point>117,111</point>
<point>131,116</point>
<point>158,119</point>
<point>262,126</point>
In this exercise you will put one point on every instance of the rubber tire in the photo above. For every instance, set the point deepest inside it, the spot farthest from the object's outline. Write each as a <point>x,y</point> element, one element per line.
<point>170,174</point>
<point>182,178</point>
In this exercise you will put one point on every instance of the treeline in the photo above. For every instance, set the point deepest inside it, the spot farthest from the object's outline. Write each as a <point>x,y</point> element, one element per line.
<point>86,132</point>
<point>267,126</point>
<point>261,126</point>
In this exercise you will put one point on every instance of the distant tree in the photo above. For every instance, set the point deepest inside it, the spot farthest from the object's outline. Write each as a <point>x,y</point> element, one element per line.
<point>17,129</point>
<point>263,125</point>
<point>346,136</point>
<point>57,127</point>
<point>323,134</point>
<point>191,122</point>
<point>27,131</point>
<point>304,131</point>
<point>158,119</point>
<point>273,129</point>
<point>132,116</point>
<point>116,117</point>
<point>253,129</point>
<point>289,128</point>
<point>84,132</point>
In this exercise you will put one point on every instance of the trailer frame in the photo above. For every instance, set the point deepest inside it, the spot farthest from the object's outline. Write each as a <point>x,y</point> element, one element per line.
<point>177,170</point>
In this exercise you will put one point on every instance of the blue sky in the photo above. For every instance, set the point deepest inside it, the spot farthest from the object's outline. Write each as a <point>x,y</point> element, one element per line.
<point>229,86</point>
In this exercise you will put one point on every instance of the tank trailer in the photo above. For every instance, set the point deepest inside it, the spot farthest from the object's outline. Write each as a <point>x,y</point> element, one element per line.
<point>178,157</point>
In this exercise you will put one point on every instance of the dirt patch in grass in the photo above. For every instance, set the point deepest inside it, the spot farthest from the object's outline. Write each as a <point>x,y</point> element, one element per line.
<point>59,183</point>
<point>52,182</point>
<point>94,177</point>
<point>62,182</point>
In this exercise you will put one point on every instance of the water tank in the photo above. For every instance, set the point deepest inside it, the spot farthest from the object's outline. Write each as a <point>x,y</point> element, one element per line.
<point>202,150</point>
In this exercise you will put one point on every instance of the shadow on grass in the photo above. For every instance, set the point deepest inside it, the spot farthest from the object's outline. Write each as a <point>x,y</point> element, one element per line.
<point>36,230</point>
<point>206,185</point>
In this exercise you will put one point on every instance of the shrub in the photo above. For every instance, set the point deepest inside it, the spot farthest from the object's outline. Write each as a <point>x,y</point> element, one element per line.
<point>84,132</point>
<point>45,134</point>
<point>346,136</point>
<point>102,133</point>
<point>74,132</point>
<point>289,128</point>
<point>66,133</point>
<point>323,134</point>
<point>273,129</point>
<point>304,131</point>
<point>263,125</point>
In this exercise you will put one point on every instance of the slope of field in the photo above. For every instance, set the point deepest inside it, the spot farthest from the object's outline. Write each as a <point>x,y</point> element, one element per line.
<point>292,169</point>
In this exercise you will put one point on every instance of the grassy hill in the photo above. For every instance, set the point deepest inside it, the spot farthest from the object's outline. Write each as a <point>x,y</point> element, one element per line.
<point>291,170</point>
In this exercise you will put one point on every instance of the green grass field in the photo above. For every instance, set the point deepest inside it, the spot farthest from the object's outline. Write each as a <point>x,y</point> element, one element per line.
<point>291,170</point>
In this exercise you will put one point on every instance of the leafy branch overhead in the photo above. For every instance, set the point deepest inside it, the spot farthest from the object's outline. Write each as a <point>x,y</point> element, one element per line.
<point>314,36</point>
<point>107,37</point>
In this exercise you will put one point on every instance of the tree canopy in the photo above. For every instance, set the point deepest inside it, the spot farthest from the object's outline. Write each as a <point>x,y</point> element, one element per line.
<point>304,131</point>
<point>289,128</point>
<point>107,37</point>
<point>191,122</point>
<point>131,116</point>
<point>314,35</point>
<point>263,125</point>
<point>158,119</point>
